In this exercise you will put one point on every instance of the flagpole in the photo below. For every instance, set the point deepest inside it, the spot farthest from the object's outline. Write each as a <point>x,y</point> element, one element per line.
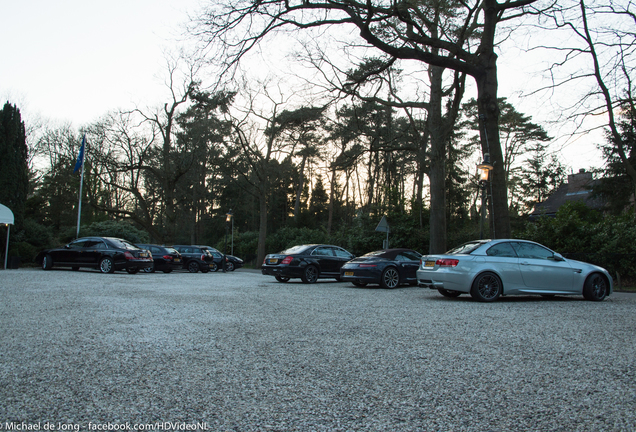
<point>79,208</point>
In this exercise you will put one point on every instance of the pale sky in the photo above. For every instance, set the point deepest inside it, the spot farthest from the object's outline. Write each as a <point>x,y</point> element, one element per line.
<point>73,61</point>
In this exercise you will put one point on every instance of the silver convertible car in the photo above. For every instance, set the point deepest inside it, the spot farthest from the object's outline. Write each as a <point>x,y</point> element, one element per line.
<point>487,269</point>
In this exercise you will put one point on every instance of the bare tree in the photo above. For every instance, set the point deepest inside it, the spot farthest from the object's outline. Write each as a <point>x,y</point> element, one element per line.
<point>257,146</point>
<point>400,30</point>
<point>600,58</point>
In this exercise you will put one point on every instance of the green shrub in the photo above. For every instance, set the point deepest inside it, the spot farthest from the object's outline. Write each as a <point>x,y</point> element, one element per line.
<point>581,233</point>
<point>112,228</point>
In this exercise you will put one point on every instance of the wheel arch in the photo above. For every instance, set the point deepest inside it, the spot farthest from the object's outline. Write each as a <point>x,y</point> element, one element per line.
<point>489,270</point>
<point>309,261</point>
<point>608,280</point>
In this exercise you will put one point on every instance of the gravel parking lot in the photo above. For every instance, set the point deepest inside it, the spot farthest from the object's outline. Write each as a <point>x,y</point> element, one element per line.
<point>242,352</point>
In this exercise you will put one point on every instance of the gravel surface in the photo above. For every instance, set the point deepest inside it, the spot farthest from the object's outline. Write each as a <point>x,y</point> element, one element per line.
<point>240,351</point>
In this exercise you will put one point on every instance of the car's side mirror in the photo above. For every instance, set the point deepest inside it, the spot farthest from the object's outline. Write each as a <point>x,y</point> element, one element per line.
<point>68,246</point>
<point>558,257</point>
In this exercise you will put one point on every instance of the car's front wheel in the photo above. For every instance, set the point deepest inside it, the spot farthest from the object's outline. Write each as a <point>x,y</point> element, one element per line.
<point>106,265</point>
<point>449,293</point>
<point>390,278</point>
<point>310,274</point>
<point>281,278</point>
<point>595,287</point>
<point>150,269</point>
<point>47,262</point>
<point>229,266</point>
<point>487,287</point>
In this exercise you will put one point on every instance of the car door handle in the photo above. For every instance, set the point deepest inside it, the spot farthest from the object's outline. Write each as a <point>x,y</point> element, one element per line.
<point>524,263</point>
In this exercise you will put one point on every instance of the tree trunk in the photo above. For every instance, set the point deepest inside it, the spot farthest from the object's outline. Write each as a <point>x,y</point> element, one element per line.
<point>299,191</point>
<point>262,230</point>
<point>437,170</point>
<point>331,198</point>
<point>489,114</point>
<point>490,143</point>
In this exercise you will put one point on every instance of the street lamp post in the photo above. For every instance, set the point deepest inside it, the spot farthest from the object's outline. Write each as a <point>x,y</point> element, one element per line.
<point>232,230</point>
<point>484,169</point>
<point>228,218</point>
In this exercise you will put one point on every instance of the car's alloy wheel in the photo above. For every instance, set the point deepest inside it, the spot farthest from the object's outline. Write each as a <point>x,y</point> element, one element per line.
<point>390,278</point>
<point>47,262</point>
<point>310,274</point>
<point>281,278</point>
<point>106,265</point>
<point>449,293</point>
<point>487,287</point>
<point>229,266</point>
<point>150,269</point>
<point>193,267</point>
<point>595,287</point>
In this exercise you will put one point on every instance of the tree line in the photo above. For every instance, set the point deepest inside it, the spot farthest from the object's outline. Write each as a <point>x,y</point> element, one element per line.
<point>338,163</point>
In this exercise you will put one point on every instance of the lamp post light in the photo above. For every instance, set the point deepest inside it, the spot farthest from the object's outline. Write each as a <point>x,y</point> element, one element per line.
<point>228,218</point>
<point>484,169</point>
<point>231,216</point>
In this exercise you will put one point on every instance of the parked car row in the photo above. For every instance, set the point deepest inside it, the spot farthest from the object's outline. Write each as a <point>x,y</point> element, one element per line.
<point>108,254</point>
<point>485,269</point>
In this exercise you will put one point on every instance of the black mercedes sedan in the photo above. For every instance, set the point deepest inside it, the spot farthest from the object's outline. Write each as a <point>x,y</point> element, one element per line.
<point>307,262</point>
<point>389,268</point>
<point>104,253</point>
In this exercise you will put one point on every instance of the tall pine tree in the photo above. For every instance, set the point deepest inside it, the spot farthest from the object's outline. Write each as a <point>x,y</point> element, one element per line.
<point>14,172</point>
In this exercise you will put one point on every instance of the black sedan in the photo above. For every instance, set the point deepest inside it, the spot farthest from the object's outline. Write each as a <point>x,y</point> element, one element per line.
<point>104,253</point>
<point>389,268</point>
<point>307,262</point>
<point>165,258</point>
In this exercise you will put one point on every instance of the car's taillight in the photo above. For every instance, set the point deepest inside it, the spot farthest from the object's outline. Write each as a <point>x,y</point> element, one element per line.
<point>287,260</point>
<point>447,262</point>
<point>202,257</point>
<point>367,265</point>
<point>128,256</point>
<point>167,257</point>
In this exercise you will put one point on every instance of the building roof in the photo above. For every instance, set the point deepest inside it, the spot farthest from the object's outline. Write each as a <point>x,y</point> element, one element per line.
<point>578,188</point>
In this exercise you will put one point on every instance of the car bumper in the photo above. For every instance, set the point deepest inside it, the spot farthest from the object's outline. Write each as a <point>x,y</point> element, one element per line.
<point>140,264</point>
<point>168,266</point>
<point>286,271</point>
<point>448,281</point>
<point>356,275</point>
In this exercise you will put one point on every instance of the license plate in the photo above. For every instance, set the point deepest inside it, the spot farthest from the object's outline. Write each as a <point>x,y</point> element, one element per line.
<point>143,254</point>
<point>348,273</point>
<point>177,260</point>
<point>429,264</point>
<point>272,261</point>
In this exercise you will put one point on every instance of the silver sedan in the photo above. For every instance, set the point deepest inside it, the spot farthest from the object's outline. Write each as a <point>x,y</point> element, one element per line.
<point>487,269</point>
